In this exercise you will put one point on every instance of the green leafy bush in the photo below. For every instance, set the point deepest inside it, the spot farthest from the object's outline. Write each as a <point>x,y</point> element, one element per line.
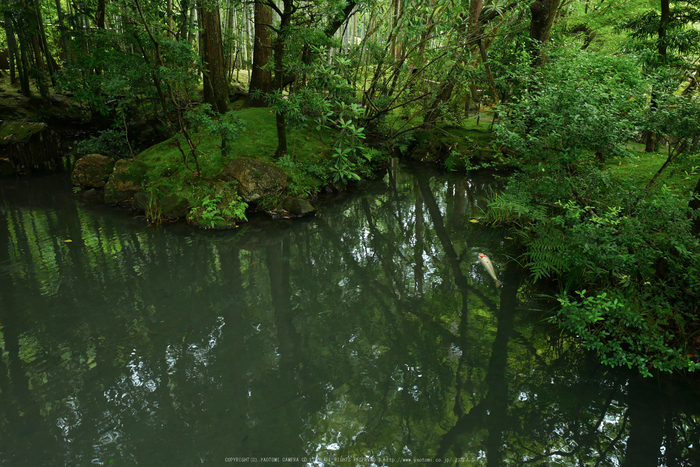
<point>627,265</point>
<point>111,143</point>
<point>580,104</point>
<point>643,276</point>
<point>217,207</point>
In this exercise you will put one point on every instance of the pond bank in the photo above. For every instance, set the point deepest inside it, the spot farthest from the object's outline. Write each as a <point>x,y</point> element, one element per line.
<point>226,180</point>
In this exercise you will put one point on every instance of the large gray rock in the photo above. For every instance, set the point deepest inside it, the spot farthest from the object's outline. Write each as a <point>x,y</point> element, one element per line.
<point>298,207</point>
<point>122,184</point>
<point>92,170</point>
<point>256,179</point>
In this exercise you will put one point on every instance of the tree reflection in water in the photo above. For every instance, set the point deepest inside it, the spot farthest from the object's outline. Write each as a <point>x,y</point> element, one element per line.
<point>366,332</point>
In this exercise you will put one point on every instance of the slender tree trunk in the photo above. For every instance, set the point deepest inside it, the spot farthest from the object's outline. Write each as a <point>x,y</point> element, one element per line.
<point>262,51</point>
<point>215,86</point>
<point>395,47</point>
<point>100,14</point>
<point>12,49</point>
<point>24,60</point>
<point>230,54</point>
<point>487,68</point>
<point>43,42</point>
<point>100,23</point>
<point>183,26</point>
<point>280,115</point>
<point>280,44</point>
<point>651,138</point>
<point>62,31</point>
<point>169,13</point>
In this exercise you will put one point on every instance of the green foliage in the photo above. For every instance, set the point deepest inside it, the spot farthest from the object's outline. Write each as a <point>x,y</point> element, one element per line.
<point>218,206</point>
<point>623,334</point>
<point>349,152</point>
<point>227,126</point>
<point>636,257</point>
<point>110,143</point>
<point>128,81</point>
<point>680,40</point>
<point>675,118</point>
<point>579,103</point>
<point>643,271</point>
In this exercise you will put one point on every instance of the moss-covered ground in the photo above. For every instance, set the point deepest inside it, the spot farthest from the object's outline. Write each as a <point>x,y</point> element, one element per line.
<point>163,172</point>
<point>15,132</point>
<point>14,106</point>
<point>164,162</point>
<point>639,167</point>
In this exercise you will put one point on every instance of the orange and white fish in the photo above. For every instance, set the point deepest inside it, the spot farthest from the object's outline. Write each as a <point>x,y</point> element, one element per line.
<point>486,263</point>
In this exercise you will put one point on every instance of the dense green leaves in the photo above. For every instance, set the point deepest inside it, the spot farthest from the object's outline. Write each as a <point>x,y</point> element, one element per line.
<point>580,103</point>
<point>632,250</point>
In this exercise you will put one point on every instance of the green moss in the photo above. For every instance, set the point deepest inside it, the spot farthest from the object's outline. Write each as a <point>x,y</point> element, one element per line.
<point>165,174</point>
<point>640,167</point>
<point>17,132</point>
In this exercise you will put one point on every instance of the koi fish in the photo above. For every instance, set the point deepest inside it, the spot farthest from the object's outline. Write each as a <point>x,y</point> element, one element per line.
<point>486,263</point>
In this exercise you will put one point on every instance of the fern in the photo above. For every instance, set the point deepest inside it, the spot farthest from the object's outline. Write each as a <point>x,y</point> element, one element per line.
<point>545,257</point>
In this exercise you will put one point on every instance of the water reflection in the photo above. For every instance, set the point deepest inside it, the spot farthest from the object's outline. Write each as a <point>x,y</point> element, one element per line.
<point>369,331</point>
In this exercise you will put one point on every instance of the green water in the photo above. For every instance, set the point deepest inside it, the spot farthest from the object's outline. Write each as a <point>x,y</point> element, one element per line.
<point>367,335</point>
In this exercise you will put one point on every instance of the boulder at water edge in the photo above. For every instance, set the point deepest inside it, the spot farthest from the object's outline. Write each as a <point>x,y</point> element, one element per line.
<point>256,179</point>
<point>298,207</point>
<point>142,201</point>
<point>174,207</point>
<point>122,184</point>
<point>92,170</point>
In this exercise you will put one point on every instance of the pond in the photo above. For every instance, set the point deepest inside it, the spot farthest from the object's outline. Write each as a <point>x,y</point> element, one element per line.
<point>367,335</point>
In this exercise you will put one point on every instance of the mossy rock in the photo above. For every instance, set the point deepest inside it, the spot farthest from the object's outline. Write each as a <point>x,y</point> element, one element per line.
<point>18,132</point>
<point>92,170</point>
<point>298,207</point>
<point>174,207</point>
<point>142,201</point>
<point>124,182</point>
<point>256,179</point>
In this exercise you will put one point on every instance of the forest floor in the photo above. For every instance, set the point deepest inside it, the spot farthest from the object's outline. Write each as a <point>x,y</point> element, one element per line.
<point>16,106</point>
<point>639,167</point>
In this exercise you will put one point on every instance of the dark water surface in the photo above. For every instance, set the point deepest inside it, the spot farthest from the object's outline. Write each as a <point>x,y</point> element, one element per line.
<point>368,335</point>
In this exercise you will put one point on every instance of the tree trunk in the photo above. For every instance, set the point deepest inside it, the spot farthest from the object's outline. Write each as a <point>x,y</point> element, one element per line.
<point>62,31</point>
<point>543,14</point>
<point>262,51</point>
<point>215,86</point>
<point>279,47</point>
<point>24,69</point>
<point>184,20</point>
<point>43,42</point>
<point>649,141</point>
<point>487,68</point>
<point>12,49</point>
<point>100,15</point>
